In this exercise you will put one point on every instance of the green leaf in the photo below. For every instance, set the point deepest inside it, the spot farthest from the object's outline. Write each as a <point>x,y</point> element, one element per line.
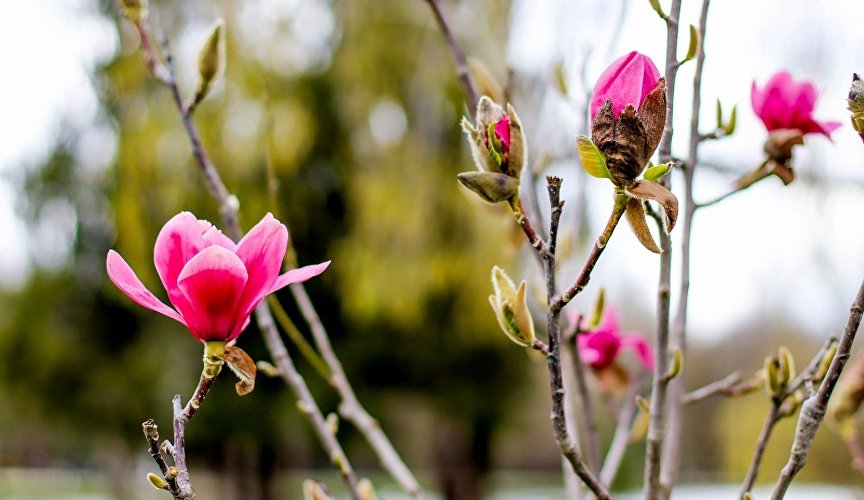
<point>729,128</point>
<point>655,4</point>
<point>694,44</point>
<point>592,159</point>
<point>657,171</point>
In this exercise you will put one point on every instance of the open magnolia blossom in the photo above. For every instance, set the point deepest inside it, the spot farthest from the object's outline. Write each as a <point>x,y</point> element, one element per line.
<point>786,109</point>
<point>628,115</point>
<point>599,348</point>
<point>213,284</point>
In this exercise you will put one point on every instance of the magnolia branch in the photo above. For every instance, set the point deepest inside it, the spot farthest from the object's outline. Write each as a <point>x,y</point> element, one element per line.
<point>814,408</point>
<point>463,69</point>
<point>728,386</point>
<point>228,211</point>
<point>657,422</point>
<point>671,451</point>
<point>559,423</point>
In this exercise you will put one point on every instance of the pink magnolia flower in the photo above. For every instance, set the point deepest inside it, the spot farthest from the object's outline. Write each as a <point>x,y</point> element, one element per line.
<point>600,347</point>
<point>213,283</point>
<point>628,80</point>
<point>502,131</point>
<point>785,104</point>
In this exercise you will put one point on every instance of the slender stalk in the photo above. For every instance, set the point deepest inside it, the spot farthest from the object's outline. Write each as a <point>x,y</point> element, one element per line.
<point>763,175</point>
<point>728,386</point>
<point>621,438</point>
<point>814,409</point>
<point>350,408</point>
<point>657,422</point>
<point>462,67</point>
<point>559,423</point>
<point>228,211</point>
<point>671,453</point>
<point>761,444</point>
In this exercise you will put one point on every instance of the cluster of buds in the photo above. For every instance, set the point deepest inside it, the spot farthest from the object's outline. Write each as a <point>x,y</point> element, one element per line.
<point>786,109</point>
<point>779,371</point>
<point>628,115</point>
<point>499,150</point>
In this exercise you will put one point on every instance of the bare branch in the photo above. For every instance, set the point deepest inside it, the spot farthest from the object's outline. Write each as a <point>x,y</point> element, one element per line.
<point>462,67</point>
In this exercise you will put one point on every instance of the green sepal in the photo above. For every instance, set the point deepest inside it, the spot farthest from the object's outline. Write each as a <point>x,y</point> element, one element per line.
<point>719,115</point>
<point>495,144</point>
<point>591,158</point>
<point>655,172</point>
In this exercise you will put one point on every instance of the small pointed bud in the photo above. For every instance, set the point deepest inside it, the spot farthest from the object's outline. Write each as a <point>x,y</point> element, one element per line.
<point>134,10</point>
<point>773,384</point>
<point>677,364</point>
<point>640,427</point>
<point>856,104</point>
<point>825,363</point>
<point>849,394</point>
<point>211,61</point>
<point>497,140</point>
<point>747,496</point>
<point>787,365</point>
<point>719,115</point>
<point>693,47</point>
<point>561,78</point>
<point>366,490</point>
<point>655,4</point>
<point>313,490</point>
<point>729,128</point>
<point>157,482</point>
<point>486,82</point>
<point>643,404</point>
<point>599,305</point>
<point>511,308</point>
<point>214,353</point>
<point>491,186</point>
<point>172,473</point>
<point>333,423</point>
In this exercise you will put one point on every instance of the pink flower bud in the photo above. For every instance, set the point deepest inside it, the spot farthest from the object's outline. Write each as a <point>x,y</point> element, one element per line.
<point>628,80</point>
<point>213,284</point>
<point>786,104</point>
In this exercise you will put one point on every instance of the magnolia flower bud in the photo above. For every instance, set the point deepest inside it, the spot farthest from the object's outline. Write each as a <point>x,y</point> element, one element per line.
<point>497,140</point>
<point>134,10</point>
<point>156,481</point>
<point>211,61</point>
<point>773,384</point>
<point>787,366</point>
<point>491,186</point>
<point>856,104</point>
<point>511,308</point>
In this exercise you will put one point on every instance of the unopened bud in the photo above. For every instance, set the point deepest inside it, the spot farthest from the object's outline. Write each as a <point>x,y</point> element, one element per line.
<point>491,186</point>
<point>333,423</point>
<point>157,482</point>
<point>134,10</point>
<point>497,139</point>
<point>511,308</point>
<point>211,61</point>
<point>366,490</point>
<point>856,104</point>
<point>599,305</point>
<point>677,363</point>
<point>313,490</point>
<point>643,403</point>
<point>787,366</point>
<point>772,377</point>
<point>825,363</point>
<point>172,473</point>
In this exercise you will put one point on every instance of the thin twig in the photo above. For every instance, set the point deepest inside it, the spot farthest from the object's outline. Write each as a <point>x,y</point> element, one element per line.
<point>782,406</point>
<point>462,67</point>
<point>621,438</point>
<point>228,211</point>
<point>728,386</point>
<point>814,409</point>
<point>657,422</point>
<point>559,423</point>
<point>764,174</point>
<point>350,408</point>
<point>151,432</point>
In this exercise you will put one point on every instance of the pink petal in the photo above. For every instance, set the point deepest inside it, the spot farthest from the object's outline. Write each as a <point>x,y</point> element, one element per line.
<point>502,130</point>
<point>125,279</point>
<point>212,282</point>
<point>610,321</point>
<point>213,236</point>
<point>626,81</point>
<point>642,348</point>
<point>262,251</point>
<point>299,275</point>
<point>178,241</point>
<point>590,356</point>
<point>604,343</point>
<point>757,99</point>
